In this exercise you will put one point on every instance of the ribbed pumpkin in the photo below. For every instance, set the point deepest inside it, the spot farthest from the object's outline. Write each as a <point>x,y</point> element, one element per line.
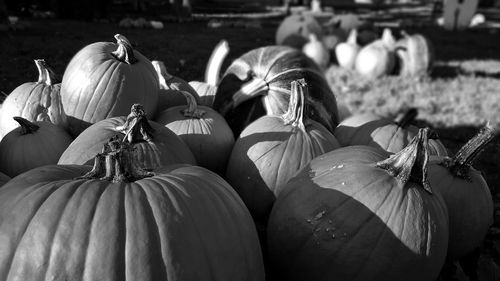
<point>294,30</point>
<point>272,149</point>
<point>32,145</point>
<point>118,223</point>
<point>204,131</point>
<point>156,145</point>
<point>385,133</point>
<point>35,101</point>
<point>415,55</point>
<point>466,193</point>
<point>357,214</point>
<point>377,58</point>
<point>104,80</point>
<point>171,88</point>
<point>258,83</point>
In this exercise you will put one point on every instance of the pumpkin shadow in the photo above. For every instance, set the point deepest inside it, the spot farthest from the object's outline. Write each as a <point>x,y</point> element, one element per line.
<point>339,236</point>
<point>445,71</point>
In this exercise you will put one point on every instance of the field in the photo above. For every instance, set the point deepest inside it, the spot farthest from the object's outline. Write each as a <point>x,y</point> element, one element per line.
<point>460,95</point>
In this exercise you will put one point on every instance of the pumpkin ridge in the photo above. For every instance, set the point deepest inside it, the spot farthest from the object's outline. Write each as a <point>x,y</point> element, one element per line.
<point>112,70</point>
<point>302,69</point>
<point>25,107</point>
<point>273,62</point>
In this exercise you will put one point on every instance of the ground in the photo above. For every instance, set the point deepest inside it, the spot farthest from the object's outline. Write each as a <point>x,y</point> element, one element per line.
<point>461,94</point>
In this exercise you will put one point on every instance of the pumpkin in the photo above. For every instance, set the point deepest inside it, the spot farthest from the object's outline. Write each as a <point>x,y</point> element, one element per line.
<point>415,55</point>
<point>357,213</point>
<point>104,80</point>
<point>294,30</point>
<point>35,101</point>
<point>204,131</point>
<point>317,51</point>
<point>377,58</point>
<point>272,149</point>
<point>258,83</point>
<point>3,179</point>
<point>466,193</point>
<point>346,52</point>
<point>32,145</point>
<point>118,222</point>
<point>206,90</point>
<point>156,145</point>
<point>391,135</point>
<point>171,88</point>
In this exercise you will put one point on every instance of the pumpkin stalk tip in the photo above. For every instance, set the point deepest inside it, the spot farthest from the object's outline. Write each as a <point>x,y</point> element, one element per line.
<point>124,52</point>
<point>163,74</point>
<point>136,127</point>
<point>297,105</point>
<point>256,86</point>
<point>46,75</point>
<point>192,110</point>
<point>410,164</point>
<point>27,127</point>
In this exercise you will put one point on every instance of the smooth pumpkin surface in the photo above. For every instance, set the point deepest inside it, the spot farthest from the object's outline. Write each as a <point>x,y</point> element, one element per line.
<point>182,223</point>
<point>258,83</point>
<point>345,215</point>
<point>104,80</point>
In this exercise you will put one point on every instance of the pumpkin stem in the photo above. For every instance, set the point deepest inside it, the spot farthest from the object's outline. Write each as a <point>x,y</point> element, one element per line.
<point>254,87</point>
<point>45,73</point>
<point>163,74</point>
<point>27,127</point>
<point>136,127</point>
<point>212,72</point>
<point>388,39</point>
<point>407,118</point>
<point>353,37</point>
<point>192,110</point>
<point>410,164</point>
<point>296,106</point>
<point>125,52</point>
<point>459,165</point>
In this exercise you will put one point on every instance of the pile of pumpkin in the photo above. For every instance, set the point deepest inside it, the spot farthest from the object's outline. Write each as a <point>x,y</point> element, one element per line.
<point>356,45</point>
<point>125,172</point>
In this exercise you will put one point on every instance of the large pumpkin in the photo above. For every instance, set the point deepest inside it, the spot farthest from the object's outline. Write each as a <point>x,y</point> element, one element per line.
<point>357,214</point>
<point>118,223</point>
<point>35,101</point>
<point>466,193</point>
<point>258,83</point>
<point>32,145</point>
<point>156,145</point>
<point>272,149</point>
<point>104,80</point>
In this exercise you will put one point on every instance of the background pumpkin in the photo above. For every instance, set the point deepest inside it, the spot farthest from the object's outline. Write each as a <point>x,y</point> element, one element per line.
<point>59,223</point>
<point>156,145</point>
<point>415,55</point>
<point>294,30</point>
<point>104,80</point>
<point>34,101</point>
<point>377,58</point>
<point>317,51</point>
<point>32,145</point>
<point>258,83</point>
<point>351,212</point>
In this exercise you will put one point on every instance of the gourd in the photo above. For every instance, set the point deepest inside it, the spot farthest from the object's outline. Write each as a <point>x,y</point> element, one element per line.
<point>317,51</point>
<point>104,80</point>
<point>466,193</point>
<point>272,149</point>
<point>415,55</point>
<point>258,83</point>
<point>359,213</point>
<point>377,58</point>
<point>346,52</point>
<point>117,222</point>
<point>34,101</point>
<point>156,145</point>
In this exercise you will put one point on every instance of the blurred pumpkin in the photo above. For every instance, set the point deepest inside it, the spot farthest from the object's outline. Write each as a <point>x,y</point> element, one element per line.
<point>346,52</point>
<point>294,30</point>
<point>415,55</point>
<point>317,51</point>
<point>377,58</point>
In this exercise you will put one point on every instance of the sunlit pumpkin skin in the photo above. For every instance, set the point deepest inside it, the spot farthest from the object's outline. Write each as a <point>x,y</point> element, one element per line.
<point>171,88</point>
<point>345,215</point>
<point>32,145</point>
<point>258,83</point>
<point>205,91</point>
<point>35,101</point>
<point>271,150</point>
<point>204,131</point>
<point>388,134</point>
<point>182,223</point>
<point>162,147</point>
<point>294,30</point>
<point>466,193</point>
<point>104,80</point>
<point>415,55</point>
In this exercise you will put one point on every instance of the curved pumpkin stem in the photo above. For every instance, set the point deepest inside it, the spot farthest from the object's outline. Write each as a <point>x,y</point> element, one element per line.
<point>27,127</point>
<point>254,87</point>
<point>296,106</point>
<point>459,165</point>
<point>192,110</point>
<point>45,73</point>
<point>411,162</point>
<point>163,74</point>
<point>212,72</point>
<point>125,52</point>
<point>407,118</point>
<point>136,127</point>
